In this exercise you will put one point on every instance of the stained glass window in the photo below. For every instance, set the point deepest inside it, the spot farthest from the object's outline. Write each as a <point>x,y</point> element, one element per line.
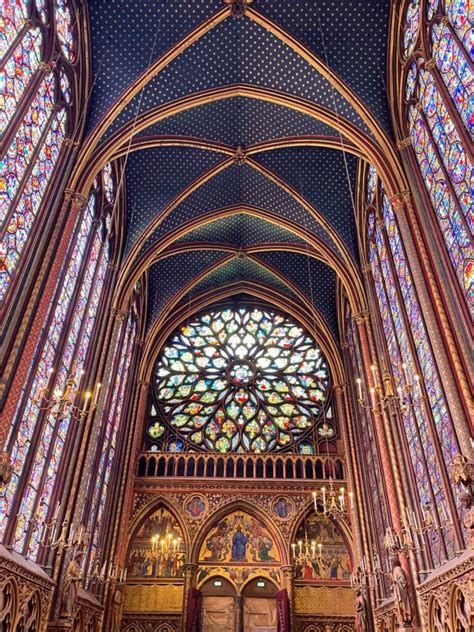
<point>410,354</point>
<point>108,182</point>
<point>439,112</point>
<point>240,380</point>
<point>34,121</point>
<point>38,436</point>
<point>64,28</point>
<point>377,507</point>
<point>117,388</point>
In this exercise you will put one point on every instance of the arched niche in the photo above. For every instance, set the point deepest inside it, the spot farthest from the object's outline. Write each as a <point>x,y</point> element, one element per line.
<point>240,545</point>
<point>157,547</point>
<point>332,562</point>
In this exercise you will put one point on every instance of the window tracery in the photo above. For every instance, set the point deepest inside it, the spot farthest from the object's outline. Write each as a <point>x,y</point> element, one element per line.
<point>430,436</point>
<point>39,433</point>
<point>241,380</point>
<point>35,116</point>
<point>439,114</point>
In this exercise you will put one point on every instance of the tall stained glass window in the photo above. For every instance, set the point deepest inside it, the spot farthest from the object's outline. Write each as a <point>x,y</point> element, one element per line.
<point>35,103</point>
<point>367,442</point>
<point>116,398</point>
<point>430,436</point>
<point>438,52</point>
<point>241,380</point>
<point>41,428</point>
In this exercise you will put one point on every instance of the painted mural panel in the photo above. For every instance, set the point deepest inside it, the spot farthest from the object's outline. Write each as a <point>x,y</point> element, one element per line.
<point>158,548</point>
<point>240,539</point>
<point>328,559</point>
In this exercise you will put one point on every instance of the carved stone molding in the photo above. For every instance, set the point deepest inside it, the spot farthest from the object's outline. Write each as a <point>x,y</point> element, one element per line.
<point>238,7</point>
<point>361,317</point>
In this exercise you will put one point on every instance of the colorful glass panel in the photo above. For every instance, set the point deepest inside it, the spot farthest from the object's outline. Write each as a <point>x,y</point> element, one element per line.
<point>29,416</point>
<point>64,28</point>
<point>456,162</point>
<point>108,181</point>
<point>245,380</point>
<point>455,72</point>
<point>17,73</point>
<point>20,152</point>
<point>450,221</point>
<point>371,183</point>
<point>461,15</point>
<point>109,440</point>
<point>72,365</point>
<point>12,18</point>
<point>23,217</point>
<point>420,444</point>
<point>412,26</point>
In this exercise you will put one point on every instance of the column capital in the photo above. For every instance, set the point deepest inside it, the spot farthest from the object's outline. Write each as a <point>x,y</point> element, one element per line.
<point>76,199</point>
<point>288,570</point>
<point>403,143</point>
<point>118,314</point>
<point>361,317</point>
<point>340,388</point>
<point>143,384</point>
<point>190,569</point>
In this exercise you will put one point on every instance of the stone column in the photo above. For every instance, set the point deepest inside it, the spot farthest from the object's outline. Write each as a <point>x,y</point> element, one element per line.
<point>189,573</point>
<point>239,613</point>
<point>288,576</point>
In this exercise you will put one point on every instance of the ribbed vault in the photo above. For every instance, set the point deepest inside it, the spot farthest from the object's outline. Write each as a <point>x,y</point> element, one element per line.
<point>237,129</point>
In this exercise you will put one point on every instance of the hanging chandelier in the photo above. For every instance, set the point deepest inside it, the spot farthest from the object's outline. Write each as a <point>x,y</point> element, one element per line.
<point>332,503</point>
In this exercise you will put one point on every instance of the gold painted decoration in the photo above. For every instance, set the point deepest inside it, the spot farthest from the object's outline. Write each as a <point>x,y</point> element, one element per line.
<point>237,575</point>
<point>331,562</point>
<point>240,539</point>
<point>324,600</point>
<point>153,598</point>
<point>157,549</point>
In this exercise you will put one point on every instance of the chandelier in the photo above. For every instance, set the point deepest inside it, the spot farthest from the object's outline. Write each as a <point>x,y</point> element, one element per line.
<point>332,503</point>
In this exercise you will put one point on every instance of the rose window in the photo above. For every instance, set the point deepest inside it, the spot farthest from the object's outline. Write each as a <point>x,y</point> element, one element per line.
<point>240,380</point>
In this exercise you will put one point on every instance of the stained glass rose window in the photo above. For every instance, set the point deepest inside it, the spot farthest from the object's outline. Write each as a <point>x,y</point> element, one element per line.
<point>240,380</point>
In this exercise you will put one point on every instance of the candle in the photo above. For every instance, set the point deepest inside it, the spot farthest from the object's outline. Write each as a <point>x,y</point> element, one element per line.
<point>418,386</point>
<point>446,516</point>
<point>162,545</point>
<point>320,547</point>
<point>315,500</point>
<point>351,500</point>
<point>405,372</point>
<point>293,547</point>
<point>341,502</point>
<point>313,547</point>
<point>323,489</point>
<point>359,387</point>
<point>415,522</point>
<point>96,394</point>
<point>372,397</point>
<point>374,373</point>
<point>56,511</point>
<point>300,546</point>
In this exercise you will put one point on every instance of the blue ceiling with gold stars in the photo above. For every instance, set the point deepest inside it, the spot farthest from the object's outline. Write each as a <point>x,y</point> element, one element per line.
<point>265,166</point>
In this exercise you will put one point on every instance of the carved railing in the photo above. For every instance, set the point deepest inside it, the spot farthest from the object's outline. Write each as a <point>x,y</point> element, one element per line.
<point>250,466</point>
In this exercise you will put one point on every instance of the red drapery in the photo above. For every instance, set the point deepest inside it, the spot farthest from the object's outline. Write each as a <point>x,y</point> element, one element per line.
<point>283,608</point>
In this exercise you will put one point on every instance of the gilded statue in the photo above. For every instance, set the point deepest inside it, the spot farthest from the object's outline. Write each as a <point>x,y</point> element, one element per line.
<point>71,585</point>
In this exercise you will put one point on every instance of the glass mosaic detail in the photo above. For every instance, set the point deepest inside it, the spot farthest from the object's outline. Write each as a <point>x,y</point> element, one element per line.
<point>12,20</point>
<point>244,380</point>
<point>26,209</point>
<point>108,440</point>
<point>17,73</point>
<point>20,152</point>
<point>455,71</point>
<point>461,15</point>
<point>64,28</point>
<point>412,26</point>
<point>450,219</point>
<point>371,183</point>
<point>42,378</point>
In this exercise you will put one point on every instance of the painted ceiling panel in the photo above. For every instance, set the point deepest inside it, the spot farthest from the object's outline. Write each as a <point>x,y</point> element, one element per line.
<point>238,184</point>
<point>353,40</point>
<point>316,280</point>
<point>241,229</point>
<point>238,51</point>
<point>126,36</point>
<point>240,121</point>
<point>168,276</point>
<point>242,270</point>
<point>155,176</point>
<point>320,176</point>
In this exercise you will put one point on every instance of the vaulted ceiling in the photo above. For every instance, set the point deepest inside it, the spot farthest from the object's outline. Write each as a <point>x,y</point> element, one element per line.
<point>239,126</point>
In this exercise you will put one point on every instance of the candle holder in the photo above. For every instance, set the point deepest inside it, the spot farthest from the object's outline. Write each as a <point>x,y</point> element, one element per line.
<point>108,572</point>
<point>332,503</point>
<point>380,396</point>
<point>60,403</point>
